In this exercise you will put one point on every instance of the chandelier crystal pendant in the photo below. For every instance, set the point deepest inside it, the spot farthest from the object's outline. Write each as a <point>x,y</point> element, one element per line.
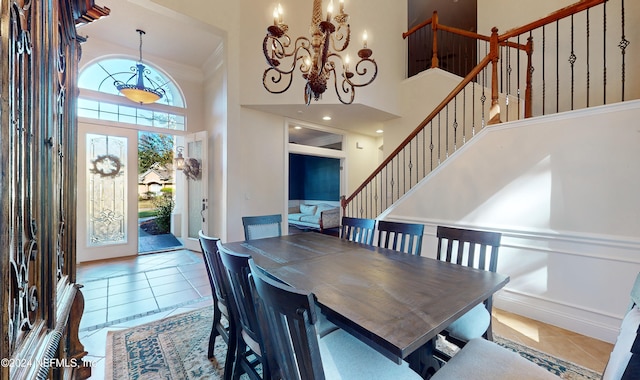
<point>134,88</point>
<point>320,57</point>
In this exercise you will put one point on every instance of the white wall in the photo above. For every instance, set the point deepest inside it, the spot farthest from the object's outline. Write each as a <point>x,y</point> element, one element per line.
<point>507,14</point>
<point>563,190</point>
<point>384,21</point>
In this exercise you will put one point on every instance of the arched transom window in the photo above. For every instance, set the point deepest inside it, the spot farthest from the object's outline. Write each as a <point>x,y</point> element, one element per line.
<point>100,99</point>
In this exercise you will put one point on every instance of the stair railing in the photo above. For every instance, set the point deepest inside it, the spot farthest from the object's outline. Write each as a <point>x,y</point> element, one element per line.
<point>518,83</point>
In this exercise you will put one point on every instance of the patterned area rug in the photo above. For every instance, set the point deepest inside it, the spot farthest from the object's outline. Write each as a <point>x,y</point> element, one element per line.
<point>169,349</point>
<point>564,369</point>
<point>176,348</point>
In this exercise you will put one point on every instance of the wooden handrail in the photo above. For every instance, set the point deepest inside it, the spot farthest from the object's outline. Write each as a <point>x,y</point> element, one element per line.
<point>553,17</point>
<point>475,71</point>
<point>437,26</point>
<point>495,41</point>
<point>462,32</point>
<point>416,28</point>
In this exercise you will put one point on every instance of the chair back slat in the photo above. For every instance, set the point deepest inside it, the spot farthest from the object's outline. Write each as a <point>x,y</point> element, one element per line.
<point>476,249</point>
<point>237,270</point>
<point>291,316</point>
<point>217,277</point>
<point>483,258</point>
<point>247,309</point>
<point>358,229</point>
<point>262,226</point>
<point>402,237</point>
<point>470,244</point>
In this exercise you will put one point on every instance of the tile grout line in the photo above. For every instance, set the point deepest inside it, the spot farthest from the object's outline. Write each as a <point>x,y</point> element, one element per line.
<point>106,314</point>
<point>152,292</point>
<point>190,283</point>
<point>140,315</point>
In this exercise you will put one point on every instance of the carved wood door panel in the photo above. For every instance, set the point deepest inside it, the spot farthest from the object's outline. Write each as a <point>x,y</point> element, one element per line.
<point>41,304</point>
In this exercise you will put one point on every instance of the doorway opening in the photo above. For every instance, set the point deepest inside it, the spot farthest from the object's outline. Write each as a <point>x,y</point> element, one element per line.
<point>315,163</point>
<point>156,192</point>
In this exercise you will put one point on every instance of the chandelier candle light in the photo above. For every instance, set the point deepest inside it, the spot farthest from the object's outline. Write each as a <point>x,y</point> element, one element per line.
<point>319,57</point>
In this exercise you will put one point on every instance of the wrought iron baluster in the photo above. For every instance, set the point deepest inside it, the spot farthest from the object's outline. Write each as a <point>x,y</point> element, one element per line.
<point>455,123</point>
<point>518,92</point>
<point>473,106</point>
<point>431,142</point>
<point>439,139</point>
<point>483,98</point>
<point>544,77</point>
<point>623,46</point>
<point>446,132</point>
<point>604,53</point>
<point>410,166</point>
<point>572,61</point>
<point>424,154</point>
<point>557,66</point>
<point>508,59</point>
<point>588,58</point>
<point>464,114</point>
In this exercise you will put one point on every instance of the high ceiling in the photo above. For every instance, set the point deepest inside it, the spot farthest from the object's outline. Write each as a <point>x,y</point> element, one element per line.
<point>177,38</point>
<point>169,35</point>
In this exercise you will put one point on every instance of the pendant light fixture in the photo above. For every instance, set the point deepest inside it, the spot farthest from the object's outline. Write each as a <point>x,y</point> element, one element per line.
<point>134,88</point>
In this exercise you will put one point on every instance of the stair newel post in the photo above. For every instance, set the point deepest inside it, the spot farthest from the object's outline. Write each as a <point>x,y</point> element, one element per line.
<point>343,203</point>
<point>494,111</point>
<point>528,93</point>
<point>434,29</point>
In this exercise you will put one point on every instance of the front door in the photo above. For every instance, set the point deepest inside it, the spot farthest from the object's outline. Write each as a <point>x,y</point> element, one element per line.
<point>107,209</point>
<point>193,201</point>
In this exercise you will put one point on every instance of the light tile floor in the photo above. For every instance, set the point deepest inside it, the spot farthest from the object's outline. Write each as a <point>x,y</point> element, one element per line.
<point>127,292</point>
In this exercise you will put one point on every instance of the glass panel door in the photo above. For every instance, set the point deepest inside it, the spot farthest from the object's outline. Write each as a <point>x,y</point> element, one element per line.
<point>107,178</point>
<point>195,201</point>
<point>106,186</point>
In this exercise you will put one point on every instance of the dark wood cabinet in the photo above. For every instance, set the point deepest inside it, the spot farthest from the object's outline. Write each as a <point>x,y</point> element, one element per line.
<point>41,302</point>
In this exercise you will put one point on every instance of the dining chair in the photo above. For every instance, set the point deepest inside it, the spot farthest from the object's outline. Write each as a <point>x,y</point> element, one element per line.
<point>220,292</point>
<point>476,249</point>
<point>402,237</point>
<point>298,352</point>
<point>481,359</point>
<point>358,229</point>
<point>263,226</point>
<point>250,346</point>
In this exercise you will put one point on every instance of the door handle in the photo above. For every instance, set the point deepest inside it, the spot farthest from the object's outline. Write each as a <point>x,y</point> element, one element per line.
<point>204,208</point>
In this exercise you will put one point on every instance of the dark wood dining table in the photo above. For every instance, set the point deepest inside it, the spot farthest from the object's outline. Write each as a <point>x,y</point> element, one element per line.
<point>394,302</point>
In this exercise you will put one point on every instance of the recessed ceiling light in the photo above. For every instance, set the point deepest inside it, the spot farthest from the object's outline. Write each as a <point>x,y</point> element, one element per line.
<point>379,131</point>
<point>326,118</point>
<point>297,127</point>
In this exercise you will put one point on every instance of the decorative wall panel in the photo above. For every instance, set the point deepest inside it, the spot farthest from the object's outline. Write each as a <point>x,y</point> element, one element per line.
<point>41,304</point>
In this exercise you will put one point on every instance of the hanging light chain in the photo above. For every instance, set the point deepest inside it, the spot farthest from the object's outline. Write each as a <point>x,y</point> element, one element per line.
<point>141,32</point>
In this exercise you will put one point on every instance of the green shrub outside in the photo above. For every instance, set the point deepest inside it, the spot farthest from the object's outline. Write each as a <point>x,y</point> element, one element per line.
<point>164,206</point>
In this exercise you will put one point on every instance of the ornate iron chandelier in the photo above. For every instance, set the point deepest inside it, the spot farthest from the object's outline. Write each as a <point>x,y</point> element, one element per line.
<point>134,88</point>
<point>319,57</point>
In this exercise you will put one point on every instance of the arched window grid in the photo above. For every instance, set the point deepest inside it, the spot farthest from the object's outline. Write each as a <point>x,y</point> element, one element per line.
<point>99,99</point>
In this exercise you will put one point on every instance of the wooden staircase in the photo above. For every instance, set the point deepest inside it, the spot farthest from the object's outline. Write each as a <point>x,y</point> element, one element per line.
<point>533,70</point>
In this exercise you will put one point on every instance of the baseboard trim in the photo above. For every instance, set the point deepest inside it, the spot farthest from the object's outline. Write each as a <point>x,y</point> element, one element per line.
<point>591,323</point>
